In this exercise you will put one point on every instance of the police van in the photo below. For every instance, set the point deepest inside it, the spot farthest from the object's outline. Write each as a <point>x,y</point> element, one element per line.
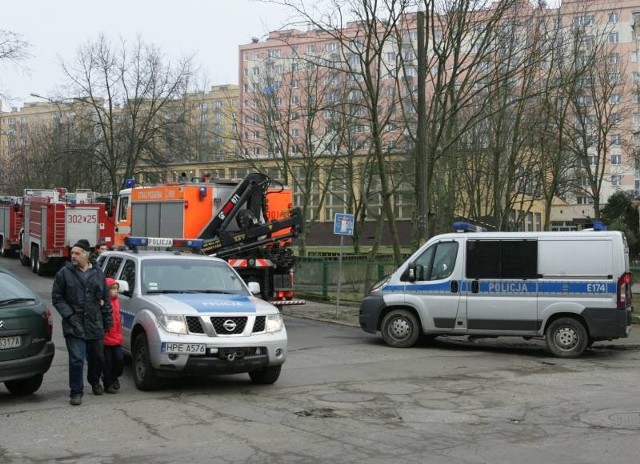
<point>572,288</point>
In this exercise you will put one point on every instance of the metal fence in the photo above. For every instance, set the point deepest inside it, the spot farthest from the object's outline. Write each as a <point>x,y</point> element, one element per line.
<point>317,277</point>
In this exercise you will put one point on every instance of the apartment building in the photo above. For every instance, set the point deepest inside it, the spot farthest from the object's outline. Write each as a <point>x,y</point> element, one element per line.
<point>282,94</point>
<point>208,135</point>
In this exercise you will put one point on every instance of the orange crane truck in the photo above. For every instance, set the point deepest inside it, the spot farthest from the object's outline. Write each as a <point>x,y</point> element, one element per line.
<point>249,222</point>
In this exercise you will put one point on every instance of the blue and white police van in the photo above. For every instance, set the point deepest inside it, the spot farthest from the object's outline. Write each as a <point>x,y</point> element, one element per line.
<point>572,288</point>
<point>190,314</point>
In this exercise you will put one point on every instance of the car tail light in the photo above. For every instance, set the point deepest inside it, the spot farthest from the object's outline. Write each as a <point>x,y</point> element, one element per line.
<point>624,291</point>
<point>49,320</point>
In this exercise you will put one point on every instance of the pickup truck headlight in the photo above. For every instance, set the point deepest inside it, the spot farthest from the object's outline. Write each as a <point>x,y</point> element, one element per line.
<point>173,324</point>
<point>274,323</point>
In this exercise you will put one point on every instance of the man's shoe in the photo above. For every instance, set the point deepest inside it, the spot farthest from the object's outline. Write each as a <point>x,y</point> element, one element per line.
<point>97,389</point>
<point>76,400</point>
<point>110,389</point>
<point>116,385</point>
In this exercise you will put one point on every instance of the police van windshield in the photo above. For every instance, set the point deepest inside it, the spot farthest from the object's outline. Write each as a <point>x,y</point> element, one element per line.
<point>190,276</point>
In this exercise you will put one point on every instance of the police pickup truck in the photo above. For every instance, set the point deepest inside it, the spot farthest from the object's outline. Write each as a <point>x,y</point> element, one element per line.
<point>190,314</point>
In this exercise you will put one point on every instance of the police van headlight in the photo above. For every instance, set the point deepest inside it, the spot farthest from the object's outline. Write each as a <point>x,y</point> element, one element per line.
<point>173,324</point>
<point>274,323</point>
<point>378,285</point>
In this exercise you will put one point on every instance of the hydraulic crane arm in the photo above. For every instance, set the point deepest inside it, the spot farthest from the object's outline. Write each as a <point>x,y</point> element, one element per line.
<point>227,244</point>
<point>251,191</point>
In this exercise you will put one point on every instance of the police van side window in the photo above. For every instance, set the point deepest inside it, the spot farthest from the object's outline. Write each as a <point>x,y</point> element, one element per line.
<point>502,259</point>
<point>437,261</point>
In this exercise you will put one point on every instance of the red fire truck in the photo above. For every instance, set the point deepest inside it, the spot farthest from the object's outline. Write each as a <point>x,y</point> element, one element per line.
<point>11,215</point>
<point>54,220</point>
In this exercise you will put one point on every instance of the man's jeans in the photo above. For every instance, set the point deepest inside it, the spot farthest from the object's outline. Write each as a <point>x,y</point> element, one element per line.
<point>79,349</point>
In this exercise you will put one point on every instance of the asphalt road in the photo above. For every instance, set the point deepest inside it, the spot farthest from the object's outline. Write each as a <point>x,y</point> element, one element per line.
<point>346,397</point>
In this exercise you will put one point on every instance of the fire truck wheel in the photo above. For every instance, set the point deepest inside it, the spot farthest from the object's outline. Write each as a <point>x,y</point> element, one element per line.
<point>34,259</point>
<point>41,269</point>
<point>23,259</point>
<point>3,253</point>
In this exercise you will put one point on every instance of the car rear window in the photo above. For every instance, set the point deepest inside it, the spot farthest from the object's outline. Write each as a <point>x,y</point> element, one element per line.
<point>11,287</point>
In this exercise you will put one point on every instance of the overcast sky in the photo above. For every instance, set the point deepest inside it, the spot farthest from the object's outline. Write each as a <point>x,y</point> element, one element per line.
<point>211,30</point>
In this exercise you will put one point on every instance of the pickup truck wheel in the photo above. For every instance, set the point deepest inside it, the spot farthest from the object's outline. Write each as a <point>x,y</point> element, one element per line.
<point>266,375</point>
<point>567,338</point>
<point>144,374</point>
<point>400,329</point>
<point>24,386</point>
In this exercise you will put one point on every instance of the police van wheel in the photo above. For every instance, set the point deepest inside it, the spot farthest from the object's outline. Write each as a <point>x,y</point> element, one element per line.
<point>567,338</point>
<point>400,329</point>
<point>143,373</point>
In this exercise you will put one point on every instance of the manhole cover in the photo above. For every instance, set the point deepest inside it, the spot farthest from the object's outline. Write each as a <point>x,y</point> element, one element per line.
<point>626,419</point>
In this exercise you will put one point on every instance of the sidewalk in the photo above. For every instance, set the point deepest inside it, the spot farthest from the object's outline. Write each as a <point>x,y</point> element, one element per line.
<point>348,315</point>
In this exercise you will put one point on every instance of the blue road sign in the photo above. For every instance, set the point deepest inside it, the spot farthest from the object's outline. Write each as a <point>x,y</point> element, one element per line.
<point>343,224</point>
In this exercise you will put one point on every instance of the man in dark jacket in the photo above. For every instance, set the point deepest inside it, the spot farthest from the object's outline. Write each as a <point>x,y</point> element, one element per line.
<point>81,296</point>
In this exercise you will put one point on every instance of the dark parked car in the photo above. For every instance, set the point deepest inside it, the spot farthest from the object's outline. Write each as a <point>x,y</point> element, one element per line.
<point>26,349</point>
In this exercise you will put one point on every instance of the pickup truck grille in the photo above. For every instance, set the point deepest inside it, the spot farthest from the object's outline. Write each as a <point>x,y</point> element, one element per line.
<point>259,325</point>
<point>194,325</point>
<point>229,325</point>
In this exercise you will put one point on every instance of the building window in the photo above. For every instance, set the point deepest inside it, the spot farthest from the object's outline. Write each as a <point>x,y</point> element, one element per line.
<point>295,132</point>
<point>295,100</point>
<point>614,17</point>
<point>584,200</point>
<point>613,37</point>
<point>583,20</point>
<point>273,53</point>
<point>615,139</point>
<point>614,99</point>
<point>331,47</point>
<point>616,160</point>
<point>614,58</point>
<point>616,180</point>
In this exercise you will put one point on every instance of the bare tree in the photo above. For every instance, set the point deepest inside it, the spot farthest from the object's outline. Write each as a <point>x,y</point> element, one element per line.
<point>597,108</point>
<point>14,49</point>
<point>357,34</point>
<point>128,90</point>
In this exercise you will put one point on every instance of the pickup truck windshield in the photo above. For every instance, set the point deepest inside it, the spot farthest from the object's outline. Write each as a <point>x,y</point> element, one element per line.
<point>190,276</point>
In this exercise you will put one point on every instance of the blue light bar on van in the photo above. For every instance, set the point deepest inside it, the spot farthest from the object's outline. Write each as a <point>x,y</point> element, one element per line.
<point>461,226</point>
<point>599,225</point>
<point>163,242</point>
